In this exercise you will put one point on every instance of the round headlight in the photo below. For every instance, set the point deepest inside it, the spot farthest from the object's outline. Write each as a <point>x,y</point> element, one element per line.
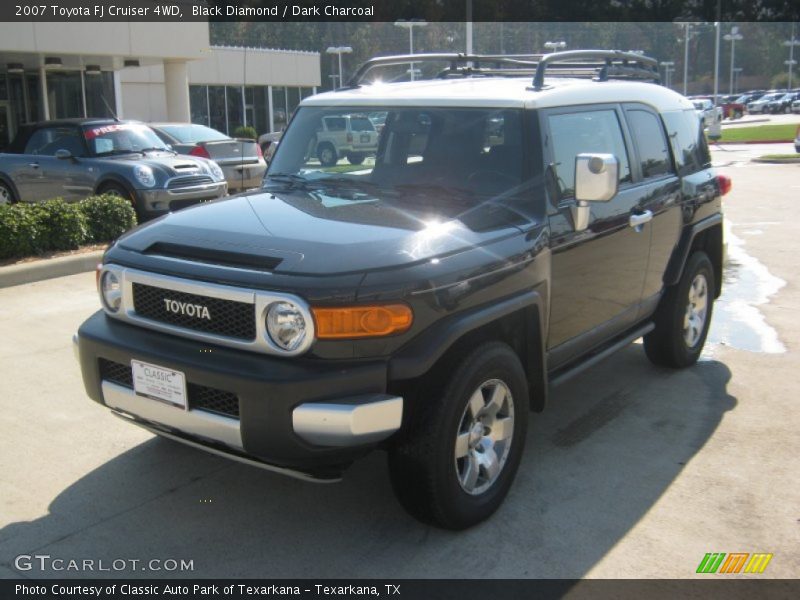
<point>286,325</point>
<point>111,290</point>
<point>144,175</point>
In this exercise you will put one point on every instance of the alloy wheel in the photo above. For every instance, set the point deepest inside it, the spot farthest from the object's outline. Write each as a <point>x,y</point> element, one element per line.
<point>484,436</point>
<point>696,311</point>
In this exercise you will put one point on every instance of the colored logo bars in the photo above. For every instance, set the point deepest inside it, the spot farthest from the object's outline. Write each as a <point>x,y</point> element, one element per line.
<point>735,562</point>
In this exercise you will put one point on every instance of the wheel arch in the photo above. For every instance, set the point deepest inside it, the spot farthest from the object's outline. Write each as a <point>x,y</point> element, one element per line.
<point>705,235</point>
<point>113,178</point>
<point>518,321</point>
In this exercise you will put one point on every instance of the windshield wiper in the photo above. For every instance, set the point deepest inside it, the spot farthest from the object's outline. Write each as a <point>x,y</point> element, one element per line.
<point>293,179</point>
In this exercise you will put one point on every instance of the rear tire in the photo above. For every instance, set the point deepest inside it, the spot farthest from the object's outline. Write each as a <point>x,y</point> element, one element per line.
<point>456,462</point>
<point>683,316</point>
<point>356,158</point>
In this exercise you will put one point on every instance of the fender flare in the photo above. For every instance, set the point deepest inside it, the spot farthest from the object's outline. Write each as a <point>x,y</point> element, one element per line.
<point>681,253</point>
<point>422,353</point>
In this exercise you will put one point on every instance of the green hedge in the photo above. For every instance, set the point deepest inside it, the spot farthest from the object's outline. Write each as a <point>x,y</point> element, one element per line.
<point>29,229</point>
<point>245,131</point>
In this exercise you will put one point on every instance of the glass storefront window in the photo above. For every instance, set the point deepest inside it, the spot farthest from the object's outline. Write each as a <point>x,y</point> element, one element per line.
<point>216,107</point>
<point>100,99</point>
<point>198,104</point>
<point>260,110</point>
<point>34,97</point>
<point>279,116</point>
<point>64,94</point>
<point>235,108</point>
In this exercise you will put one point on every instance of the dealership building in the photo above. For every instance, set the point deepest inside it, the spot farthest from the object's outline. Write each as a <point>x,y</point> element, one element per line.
<point>146,71</point>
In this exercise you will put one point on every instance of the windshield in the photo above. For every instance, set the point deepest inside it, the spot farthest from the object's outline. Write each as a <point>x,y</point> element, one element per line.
<point>472,152</point>
<point>121,138</point>
<point>191,134</point>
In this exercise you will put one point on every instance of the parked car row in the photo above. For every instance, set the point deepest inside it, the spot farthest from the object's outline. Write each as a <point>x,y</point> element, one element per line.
<point>753,102</point>
<point>158,168</point>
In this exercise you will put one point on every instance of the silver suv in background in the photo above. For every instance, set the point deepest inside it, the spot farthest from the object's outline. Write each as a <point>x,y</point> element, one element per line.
<point>352,136</point>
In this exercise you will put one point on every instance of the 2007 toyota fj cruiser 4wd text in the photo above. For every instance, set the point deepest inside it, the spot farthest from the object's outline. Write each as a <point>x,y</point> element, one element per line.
<point>513,229</point>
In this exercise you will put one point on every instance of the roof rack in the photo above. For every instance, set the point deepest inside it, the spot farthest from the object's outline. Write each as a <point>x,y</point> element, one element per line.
<point>600,64</point>
<point>471,61</point>
<point>612,64</point>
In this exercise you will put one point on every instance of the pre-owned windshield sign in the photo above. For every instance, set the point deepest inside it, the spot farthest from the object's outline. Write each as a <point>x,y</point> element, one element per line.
<point>98,131</point>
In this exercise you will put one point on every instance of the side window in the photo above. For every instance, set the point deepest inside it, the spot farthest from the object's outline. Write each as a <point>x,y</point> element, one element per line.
<point>38,140</point>
<point>649,135</point>
<point>47,141</point>
<point>595,131</point>
<point>688,141</point>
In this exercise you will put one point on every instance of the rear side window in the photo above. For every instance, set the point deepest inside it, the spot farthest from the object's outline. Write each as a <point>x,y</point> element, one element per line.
<point>336,124</point>
<point>649,136</point>
<point>688,141</point>
<point>48,140</point>
<point>596,131</point>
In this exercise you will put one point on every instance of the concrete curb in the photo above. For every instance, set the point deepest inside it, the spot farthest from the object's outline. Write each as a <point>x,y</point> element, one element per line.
<point>777,161</point>
<point>49,268</point>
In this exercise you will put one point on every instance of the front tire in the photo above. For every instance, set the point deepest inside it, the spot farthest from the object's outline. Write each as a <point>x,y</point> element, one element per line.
<point>455,465</point>
<point>683,317</point>
<point>6,194</point>
<point>356,158</point>
<point>326,154</point>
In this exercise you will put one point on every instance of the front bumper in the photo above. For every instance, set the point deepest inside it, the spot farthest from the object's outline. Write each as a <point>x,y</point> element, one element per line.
<point>161,201</point>
<point>302,414</point>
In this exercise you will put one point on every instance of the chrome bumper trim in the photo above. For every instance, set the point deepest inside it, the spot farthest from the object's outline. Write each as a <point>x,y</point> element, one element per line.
<point>192,422</point>
<point>363,420</point>
<point>242,459</point>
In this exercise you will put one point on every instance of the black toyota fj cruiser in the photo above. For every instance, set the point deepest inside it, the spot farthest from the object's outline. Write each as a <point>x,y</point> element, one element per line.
<point>511,230</point>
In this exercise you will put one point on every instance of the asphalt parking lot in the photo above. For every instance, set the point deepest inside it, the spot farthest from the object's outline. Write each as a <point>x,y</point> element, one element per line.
<point>632,471</point>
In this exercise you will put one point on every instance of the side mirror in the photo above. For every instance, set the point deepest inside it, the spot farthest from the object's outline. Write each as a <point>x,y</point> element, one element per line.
<point>63,154</point>
<point>596,177</point>
<point>596,180</point>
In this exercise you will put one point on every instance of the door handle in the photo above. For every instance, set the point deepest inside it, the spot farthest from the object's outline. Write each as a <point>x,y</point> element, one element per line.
<point>33,165</point>
<point>640,219</point>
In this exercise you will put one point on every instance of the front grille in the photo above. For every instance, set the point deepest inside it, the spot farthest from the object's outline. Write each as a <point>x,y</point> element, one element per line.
<point>212,400</point>
<point>200,397</point>
<point>226,317</point>
<point>184,181</point>
<point>116,373</point>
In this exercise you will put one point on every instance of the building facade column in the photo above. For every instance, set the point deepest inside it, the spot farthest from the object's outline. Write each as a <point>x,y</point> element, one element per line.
<point>176,87</point>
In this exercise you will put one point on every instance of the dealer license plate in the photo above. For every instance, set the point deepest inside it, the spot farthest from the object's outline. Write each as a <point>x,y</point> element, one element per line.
<point>158,383</point>
<point>365,138</point>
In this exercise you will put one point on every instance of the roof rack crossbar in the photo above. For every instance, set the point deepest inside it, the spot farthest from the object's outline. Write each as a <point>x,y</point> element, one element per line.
<point>455,59</point>
<point>628,65</point>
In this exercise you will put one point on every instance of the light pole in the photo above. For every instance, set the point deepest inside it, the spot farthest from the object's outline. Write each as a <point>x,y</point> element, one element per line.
<point>733,37</point>
<point>736,72</point>
<point>669,68</point>
<point>410,26</point>
<point>791,62</point>
<point>688,34</point>
<point>340,50</point>
<point>553,46</point>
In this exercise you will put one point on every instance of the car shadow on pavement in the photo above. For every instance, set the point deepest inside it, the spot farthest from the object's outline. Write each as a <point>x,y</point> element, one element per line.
<point>609,445</point>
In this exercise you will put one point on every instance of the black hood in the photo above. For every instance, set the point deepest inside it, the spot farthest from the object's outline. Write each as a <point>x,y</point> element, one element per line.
<point>317,233</point>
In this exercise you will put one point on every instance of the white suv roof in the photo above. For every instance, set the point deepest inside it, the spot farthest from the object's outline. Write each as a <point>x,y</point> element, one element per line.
<point>503,92</point>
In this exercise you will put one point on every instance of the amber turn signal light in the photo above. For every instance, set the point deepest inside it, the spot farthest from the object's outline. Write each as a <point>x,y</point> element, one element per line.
<point>362,321</point>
